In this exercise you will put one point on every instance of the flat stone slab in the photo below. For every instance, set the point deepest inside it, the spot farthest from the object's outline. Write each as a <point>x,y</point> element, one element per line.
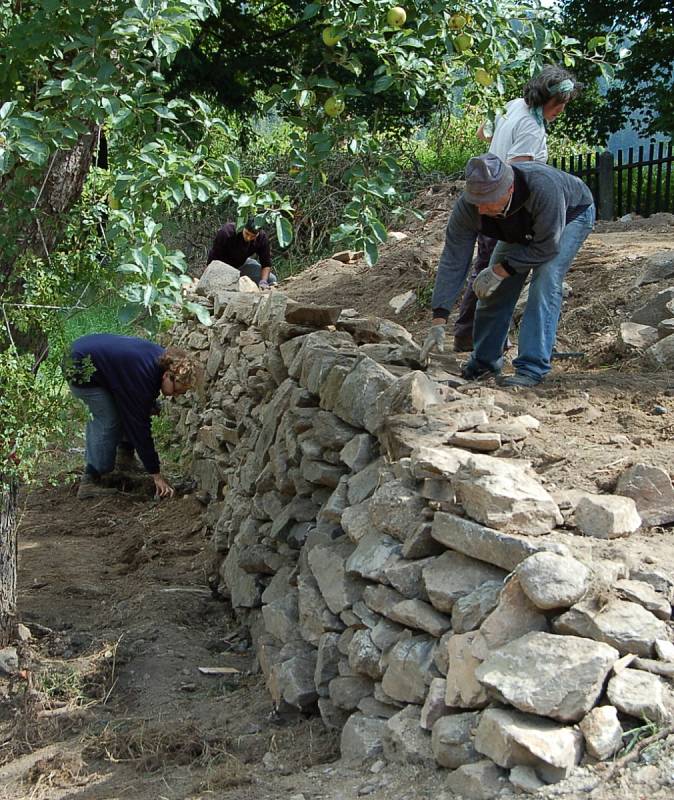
<point>505,550</point>
<point>421,616</point>
<point>453,575</point>
<point>628,627</point>
<point>561,677</point>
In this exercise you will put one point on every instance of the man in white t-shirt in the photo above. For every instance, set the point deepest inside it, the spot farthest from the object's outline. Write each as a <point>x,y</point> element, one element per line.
<point>520,134</point>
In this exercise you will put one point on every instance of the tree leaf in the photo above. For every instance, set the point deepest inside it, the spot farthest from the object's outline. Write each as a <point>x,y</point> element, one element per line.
<point>284,231</point>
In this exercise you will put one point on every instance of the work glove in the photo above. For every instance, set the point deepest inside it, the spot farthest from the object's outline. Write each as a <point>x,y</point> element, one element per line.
<point>264,285</point>
<point>486,283</point>
<point>434,342</point>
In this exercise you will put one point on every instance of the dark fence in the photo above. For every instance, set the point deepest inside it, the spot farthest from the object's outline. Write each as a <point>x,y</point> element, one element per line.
<point>626,184</point>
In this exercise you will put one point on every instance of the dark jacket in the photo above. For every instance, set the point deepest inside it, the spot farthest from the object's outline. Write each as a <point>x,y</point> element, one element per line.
<point>544,201</point>
<point>126,367</point>
<point>230,247</point>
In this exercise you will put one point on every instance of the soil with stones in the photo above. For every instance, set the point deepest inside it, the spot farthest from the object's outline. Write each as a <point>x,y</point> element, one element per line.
<point>110,701</point>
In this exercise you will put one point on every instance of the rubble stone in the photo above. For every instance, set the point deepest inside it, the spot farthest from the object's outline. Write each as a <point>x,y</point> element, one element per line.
<point>638,694</point>
<point>482,780</point>
<point>347,691</point>
<point>452,740</point>
<point>602,731</point>
<point>434,705</point>
<point>362,738</point>
<point>514,616</point>
<point>405,741</point>
<point>328,565</point>
<point>463,688</point>
<point>421,616</point>
<point>651,489</point>
<point>470,611</point>
<point>364,655</point>
<point>395,509</point>
<point>607,516</point>
<point>645,595</point>
<point>373,553</point>
<point>552,581</point>
<point>453,575</point>
<point>408,664</point>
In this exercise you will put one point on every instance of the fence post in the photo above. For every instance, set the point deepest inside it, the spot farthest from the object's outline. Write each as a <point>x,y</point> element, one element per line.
<point>605,185</point>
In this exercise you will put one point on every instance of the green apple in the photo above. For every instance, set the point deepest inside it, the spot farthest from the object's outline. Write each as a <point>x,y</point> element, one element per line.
<point>457,21</point>
<point>396,17</point>
<point>334,106</point>
<point>330,37</point>
<point>464,41</point>
<point>483,77</point>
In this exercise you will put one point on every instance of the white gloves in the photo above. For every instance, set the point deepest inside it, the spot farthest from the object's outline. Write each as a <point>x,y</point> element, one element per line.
<point>434,342</point>
<point>486,283</point>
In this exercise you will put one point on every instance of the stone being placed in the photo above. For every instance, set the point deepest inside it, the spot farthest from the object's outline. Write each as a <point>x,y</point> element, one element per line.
<point>405,741</point>
<point>651,489</point>
<point>501,494</point>
<point>396,509</point>
<point>607,516</point>
<point>504,550</point>
<point>602,732</point>
<point>452,740</point>
<point>514,616</point>
<point>463,688</point>
<point>511,739</point>
<point>471,610</point>
<point>628,627</point>
<point>452,575</point>
<point>218,277</point>
<point>362,738</point>
<point>360,390</point>
<point>561,677</point>
<point>638,694</point>
<point>434,705</point>
<point>413,393</point>
<point>409,662</point>
<point>553,581</point>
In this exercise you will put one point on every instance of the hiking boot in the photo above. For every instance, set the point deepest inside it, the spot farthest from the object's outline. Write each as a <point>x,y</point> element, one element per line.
<point>463,344</point>
<point>472,372</point>
<point>126,461</point>
<point>520,380</point>
<point>91,487</point>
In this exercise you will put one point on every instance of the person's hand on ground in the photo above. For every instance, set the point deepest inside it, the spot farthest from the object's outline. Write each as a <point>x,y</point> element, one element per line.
<point>434,342</point>
<point>264,285</point>
<point>487,282</point>
<point>162,487</point>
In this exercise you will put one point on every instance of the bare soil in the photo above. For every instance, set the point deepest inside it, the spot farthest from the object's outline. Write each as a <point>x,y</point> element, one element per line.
<point>110,702</point>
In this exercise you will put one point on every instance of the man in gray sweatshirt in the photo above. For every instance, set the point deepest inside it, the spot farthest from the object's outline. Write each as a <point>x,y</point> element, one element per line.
<point>541,217</point>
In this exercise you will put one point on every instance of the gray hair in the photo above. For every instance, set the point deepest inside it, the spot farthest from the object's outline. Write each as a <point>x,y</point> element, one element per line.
<point>546,85</point>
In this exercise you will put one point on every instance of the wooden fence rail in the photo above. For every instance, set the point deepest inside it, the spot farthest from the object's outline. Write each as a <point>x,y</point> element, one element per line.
<point>625,184</point>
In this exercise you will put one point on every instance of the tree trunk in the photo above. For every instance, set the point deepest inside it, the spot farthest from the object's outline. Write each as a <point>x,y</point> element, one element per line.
<point>8,559</point>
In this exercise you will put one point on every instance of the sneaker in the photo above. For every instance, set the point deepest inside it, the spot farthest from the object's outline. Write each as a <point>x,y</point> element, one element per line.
<point>519,380</point>
<point>471,372</point>
<point>90,487</point>
<point>463,344</point>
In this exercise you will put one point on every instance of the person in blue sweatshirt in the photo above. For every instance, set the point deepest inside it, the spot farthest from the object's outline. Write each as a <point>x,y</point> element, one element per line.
<point>119,379</point>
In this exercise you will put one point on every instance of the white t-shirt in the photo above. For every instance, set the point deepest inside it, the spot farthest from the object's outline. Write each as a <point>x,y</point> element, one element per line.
<point>517,133</point>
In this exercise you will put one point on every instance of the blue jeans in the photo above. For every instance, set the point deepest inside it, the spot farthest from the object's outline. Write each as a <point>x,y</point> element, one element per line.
<point>538,328</point>
<point>252,269</point>
<point>104,428</point>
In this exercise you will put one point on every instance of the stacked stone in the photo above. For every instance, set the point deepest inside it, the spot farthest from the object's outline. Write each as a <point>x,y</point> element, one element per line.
<point>396,578</point>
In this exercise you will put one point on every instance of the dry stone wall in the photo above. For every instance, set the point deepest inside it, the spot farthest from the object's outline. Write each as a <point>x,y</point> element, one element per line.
<point>395,577</point>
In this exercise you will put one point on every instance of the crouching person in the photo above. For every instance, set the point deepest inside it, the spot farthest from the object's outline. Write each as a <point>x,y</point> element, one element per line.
<point>119,379</point>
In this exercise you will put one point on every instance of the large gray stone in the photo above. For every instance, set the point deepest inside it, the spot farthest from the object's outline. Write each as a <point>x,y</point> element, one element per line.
<point>396,509</point>
<point>651,489</point>
<point>470,611</point>
<point>452,740</point>
<point>347,691</point>
<point>638,694</point>
<point>645,595</point>
<point>327,657</point>
<point>421,616</point>
<point>373,553</point>
<point>413,393</point>
<point>359,393</point>
<point>328,565</point>
<point>437,462</point>
<point>602,732</point>
<point>607,516</point>
<point>331,432</point>
<point>561,677</point>
<point>504,550</point>
<point>420,543</point>
<point>356,521</point>
<point>386,633</point>
<point>291,678</point>
<point>407,577</point>
<point>632,334</point>
<point>405,741</point>
<point>655,309</point>
<point>454,575</point>
<point>314,615</point>
<point>363,484</point>
<point>501,494</point>
<point>362,738</point>
<point>359,451</point>
<point>658,267</point>
<point>381,599</point>
<point>511,739</point>
<point>463,688</point>
<point>628,627</point>
<point>662,352</point>
<point>218,277</point>
<point>482,780</point>
<point>408,664</point>
<point>281,618</point>
<point>552,581</point>
<point>364,655</point>
<point>514,616</point>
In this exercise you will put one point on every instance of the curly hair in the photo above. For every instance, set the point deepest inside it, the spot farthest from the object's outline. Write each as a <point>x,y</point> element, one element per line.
<point>181,365</point>
<point>537,91</point>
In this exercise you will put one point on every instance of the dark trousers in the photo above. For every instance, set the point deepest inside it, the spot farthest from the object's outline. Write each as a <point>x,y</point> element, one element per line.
<point>464,324</point>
